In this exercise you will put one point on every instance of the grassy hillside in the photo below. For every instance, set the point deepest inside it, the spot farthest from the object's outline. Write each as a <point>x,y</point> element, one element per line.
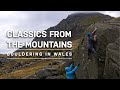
<point>26,71</point>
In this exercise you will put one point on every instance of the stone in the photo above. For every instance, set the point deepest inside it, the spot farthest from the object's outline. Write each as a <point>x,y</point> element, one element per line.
<point>42,74</point>
<point>112,63</point>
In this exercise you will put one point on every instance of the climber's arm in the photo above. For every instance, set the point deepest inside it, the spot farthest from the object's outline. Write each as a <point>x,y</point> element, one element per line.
<point>71,66</point>
<point>93,32</point>
<point>73,71</point>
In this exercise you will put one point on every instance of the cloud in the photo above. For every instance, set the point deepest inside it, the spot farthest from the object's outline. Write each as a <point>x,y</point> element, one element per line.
<point>111,13</point>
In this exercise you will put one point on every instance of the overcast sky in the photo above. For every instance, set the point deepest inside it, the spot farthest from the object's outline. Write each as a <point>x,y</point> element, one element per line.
<point>32,20</point>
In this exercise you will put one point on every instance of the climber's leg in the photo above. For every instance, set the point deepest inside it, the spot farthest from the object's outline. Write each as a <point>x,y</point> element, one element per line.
<point>89,52</point>
<point>93,51</point>
<point>95,54</point>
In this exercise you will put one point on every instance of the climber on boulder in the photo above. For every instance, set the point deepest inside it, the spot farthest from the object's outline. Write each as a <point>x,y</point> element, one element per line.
<point>70,72</point>
<point>91,42</point>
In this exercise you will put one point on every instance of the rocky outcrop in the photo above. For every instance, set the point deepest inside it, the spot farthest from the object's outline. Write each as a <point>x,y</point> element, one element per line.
<point>92,69</point>
<point>54,70</point>
<point>88,69</point>
<point>44,73</point>
<point>112,62</point>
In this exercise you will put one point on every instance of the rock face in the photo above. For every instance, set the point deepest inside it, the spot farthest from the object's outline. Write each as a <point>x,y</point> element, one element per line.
<point>112,65</point>
<point>106,34</point>
<point>92,69</point>
<point>88,68</point>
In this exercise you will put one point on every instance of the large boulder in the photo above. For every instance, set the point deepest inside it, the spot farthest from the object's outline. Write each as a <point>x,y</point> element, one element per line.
<point>88,69</point>
<point>112,63</point>
<point>92,69</point>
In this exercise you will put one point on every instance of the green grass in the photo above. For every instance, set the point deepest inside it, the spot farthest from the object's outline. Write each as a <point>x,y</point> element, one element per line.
<point>3,56</point>
<point>26,71</point>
